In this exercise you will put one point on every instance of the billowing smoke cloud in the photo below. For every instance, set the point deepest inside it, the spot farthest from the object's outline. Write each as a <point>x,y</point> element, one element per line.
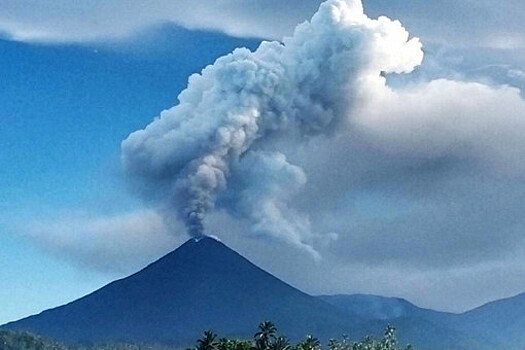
<point>213,143</point>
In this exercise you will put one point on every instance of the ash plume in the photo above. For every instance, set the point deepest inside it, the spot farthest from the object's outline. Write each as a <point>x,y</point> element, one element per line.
<point>218,143</point>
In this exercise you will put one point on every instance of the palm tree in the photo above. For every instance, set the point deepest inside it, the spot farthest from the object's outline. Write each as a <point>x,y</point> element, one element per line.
<point>265,335</point>
<point>310,343</point>
<point>281,343</point>
<point>207,342</point>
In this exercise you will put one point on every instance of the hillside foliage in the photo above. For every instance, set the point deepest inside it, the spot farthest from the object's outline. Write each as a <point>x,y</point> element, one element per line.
<point>266,338</point>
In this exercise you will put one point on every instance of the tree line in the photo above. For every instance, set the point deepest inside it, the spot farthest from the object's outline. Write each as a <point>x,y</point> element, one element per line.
<point>266,338</point>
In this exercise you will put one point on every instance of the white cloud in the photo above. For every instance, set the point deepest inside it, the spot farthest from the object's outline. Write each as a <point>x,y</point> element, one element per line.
<point>67,21</point>
<point>119,243</point>
<point>448,118</point>
<point>489,25</point>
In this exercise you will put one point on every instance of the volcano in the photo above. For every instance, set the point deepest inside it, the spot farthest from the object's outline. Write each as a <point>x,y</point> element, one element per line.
<point>204,285</point>
<point>201,285</point>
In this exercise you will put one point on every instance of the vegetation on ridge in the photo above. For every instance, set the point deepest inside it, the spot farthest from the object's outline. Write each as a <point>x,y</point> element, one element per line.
<point>266,338</point>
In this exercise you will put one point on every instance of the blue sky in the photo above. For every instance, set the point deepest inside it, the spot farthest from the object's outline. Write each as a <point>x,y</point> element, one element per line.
<point>75,82</point>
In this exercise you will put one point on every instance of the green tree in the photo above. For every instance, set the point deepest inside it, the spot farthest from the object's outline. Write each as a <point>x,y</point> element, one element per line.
<point>265,335</point>
<point>280,343</point>
<point>208,341</point>
<point>334,344</point>
<point>310,343</point>
<point>224,344</point>
<point>389,339</point>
